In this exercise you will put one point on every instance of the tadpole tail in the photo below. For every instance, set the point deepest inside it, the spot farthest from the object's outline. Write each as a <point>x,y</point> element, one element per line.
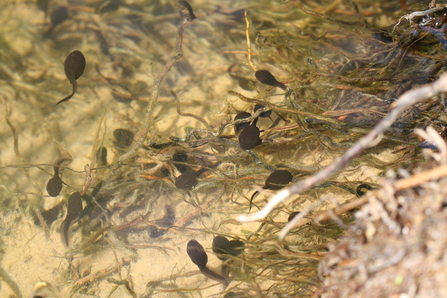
<point>212,275</point>
<point>65,231</point>
<point>75,87</point>
<point>251,200</point>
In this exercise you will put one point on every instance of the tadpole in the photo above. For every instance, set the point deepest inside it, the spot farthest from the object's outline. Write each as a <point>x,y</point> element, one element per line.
<point>163,223</point>
<point>222,246</point>
<point>178,157</point>
<point>249,137</point>
<point>101,156</point>
<point>275,181</point>
<point>265,114</point>
<point>74,206</point>
<point>198,256</point>
<point>54,185</point>
<point>244,83</point>
<point>123,138</point>
<point>363,189</point>
<point>265,77</point>
<point>58,15</point>
<point>292,216</point>
<point>240,126</point>
<point>74,211</point>
<point>188,180</point>
<point>74,66</point>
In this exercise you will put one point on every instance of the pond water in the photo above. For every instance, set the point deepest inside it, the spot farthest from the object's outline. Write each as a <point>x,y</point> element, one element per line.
<point>101,193</point>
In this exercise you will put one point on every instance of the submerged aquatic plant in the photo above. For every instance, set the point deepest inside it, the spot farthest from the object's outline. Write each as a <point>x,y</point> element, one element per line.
<point>163,163</point>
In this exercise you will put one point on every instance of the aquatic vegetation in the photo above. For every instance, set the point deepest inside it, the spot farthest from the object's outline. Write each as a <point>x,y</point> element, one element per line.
<point>179,126</point>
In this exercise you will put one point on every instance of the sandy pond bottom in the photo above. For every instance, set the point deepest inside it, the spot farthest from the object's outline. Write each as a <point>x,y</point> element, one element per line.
<point>111,251</point>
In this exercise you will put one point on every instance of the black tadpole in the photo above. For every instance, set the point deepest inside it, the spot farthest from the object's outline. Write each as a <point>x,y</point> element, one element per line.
<point>275,181</point>
<point>265,114</point>
<point>244,83</point>
<point>249,137</point>
<point>74,212</point>
<point>54,185</point>
<point>198,256</point>
<point>58,16</point>
<point>74,206</point>
<point>188,180</point>
<point>180,157</point>
<point>123,138</point>
<point>240,126</point>
<point>74,66</point>
<point>265,77</point>
<point>222,247</point>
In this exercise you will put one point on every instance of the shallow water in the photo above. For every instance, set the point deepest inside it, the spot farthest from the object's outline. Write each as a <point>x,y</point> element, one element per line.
<point>130,240</point>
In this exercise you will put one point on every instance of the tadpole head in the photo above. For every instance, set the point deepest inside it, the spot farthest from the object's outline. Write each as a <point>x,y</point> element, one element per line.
<point>249,137</point>
<point>241,126</point>
<point>187,180</point>
<point>265,114</point>
<point>265,77</point>
<point>74,206</point>
<point>278,179</point>
<point>235,247</point>
<point>220,245</point>
<point>197,253</point>
<point>101,156</point>
<point>180,156</point>
<point>362,189</point>
<point>123,138</point>
<point>74,65</point>
<point>54,186</point>
<point>292,215</point>
<point>58,15</point>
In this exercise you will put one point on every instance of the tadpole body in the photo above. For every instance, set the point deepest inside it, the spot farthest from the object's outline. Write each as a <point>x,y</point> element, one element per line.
<point>188,180</point>
<point>265,77</point>
<point>222,246</point>
<point>363,189</point>
<point>197,253</point>
<point>178,157</point>
<point>74,66</point>
<point>244,83</point>
<point>123,138</point>
<point>275,181</point>
<point>241,126</point>
<point>58,16</point>
<point>101,156</point>
<point>249,137</point>
<point>74,206</point>
<point>265,114</point>
<point>164,223</point>
<point>74,212</point>
<point>292,215</point>
<point>54,185</point>
<point>198,256</point>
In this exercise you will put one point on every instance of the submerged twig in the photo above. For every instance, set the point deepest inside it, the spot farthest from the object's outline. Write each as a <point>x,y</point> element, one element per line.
<point>405,101</point>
